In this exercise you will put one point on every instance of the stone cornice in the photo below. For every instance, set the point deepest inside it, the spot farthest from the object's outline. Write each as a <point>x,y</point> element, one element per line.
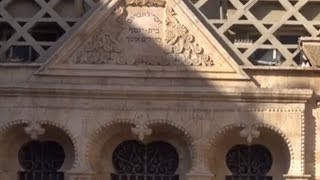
<point>158,93</point>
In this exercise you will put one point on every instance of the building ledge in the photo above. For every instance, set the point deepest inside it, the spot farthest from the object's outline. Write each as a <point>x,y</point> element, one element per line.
<point>159,93</point>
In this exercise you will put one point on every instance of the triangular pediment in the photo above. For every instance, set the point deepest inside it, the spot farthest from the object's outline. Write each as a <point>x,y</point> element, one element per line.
<point>143,38</point>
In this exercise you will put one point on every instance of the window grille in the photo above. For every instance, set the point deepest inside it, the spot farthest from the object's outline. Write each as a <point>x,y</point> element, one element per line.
<point>249,162</point>
<point>133,160</point>
<point>41,161</point>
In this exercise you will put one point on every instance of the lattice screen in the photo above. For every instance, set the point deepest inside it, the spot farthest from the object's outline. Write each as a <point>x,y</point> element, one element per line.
<point>263,32</point>
<point>28,28</point>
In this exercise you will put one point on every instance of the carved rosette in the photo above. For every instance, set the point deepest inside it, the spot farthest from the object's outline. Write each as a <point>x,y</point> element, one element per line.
<point>181,45</point>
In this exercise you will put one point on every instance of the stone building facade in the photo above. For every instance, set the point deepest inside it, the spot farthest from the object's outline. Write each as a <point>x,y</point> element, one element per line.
<point>159,89</point>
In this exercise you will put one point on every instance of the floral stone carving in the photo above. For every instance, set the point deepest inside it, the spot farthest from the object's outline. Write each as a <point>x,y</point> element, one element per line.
<point>141,128</point>
<point>250,131</point>
<point>103,47</point>
<point>142,36</point>
<point>181,45</point>
<point>34,130</point>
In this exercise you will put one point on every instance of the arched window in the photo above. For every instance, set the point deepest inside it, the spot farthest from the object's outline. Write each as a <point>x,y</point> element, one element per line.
<point>41,160</point>
<point>249,162</point>
<point>133,160</point>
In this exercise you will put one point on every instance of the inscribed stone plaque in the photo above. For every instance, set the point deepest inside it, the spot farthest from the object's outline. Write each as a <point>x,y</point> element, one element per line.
<point>143,34</point>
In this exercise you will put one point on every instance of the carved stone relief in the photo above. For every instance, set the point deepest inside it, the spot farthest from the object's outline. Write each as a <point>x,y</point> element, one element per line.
<point>142,32</point>
<point>141,128</point>
<point>34,130</point>
<point>250,131</point>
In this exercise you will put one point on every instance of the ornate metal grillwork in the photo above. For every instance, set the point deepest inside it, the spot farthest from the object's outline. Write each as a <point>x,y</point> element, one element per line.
<point>261,32</point>
<point>132,160</point>
<point>249,162</point>
<point>41,161</point>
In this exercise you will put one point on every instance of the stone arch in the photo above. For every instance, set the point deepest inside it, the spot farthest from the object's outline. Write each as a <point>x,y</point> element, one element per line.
<point>13,133</point>
<point>261,126</point>
<point>112,128</point>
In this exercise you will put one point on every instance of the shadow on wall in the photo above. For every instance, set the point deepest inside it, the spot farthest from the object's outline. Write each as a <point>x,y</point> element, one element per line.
<point>150,45</point>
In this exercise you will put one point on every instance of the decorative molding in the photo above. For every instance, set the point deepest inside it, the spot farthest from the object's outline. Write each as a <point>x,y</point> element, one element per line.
<point>160,3</point>
<point>181,45</point>
<point>150,93</point>
<point>141,128</point>
<point>250,131</point>
<point>99,132</point>
<point>302,142</point>
<point>227,128</point>
<point>34,129</point>
<point>5,127</point>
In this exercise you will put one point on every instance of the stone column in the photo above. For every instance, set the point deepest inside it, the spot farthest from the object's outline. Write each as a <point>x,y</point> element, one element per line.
<point>200,170</point>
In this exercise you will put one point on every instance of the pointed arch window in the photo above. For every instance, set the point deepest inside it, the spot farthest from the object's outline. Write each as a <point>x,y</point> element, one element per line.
<point>249,162</point>
<point>41,160</point>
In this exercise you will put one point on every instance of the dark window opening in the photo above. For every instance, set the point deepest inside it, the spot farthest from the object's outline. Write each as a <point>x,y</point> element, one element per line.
<point>134,160</point>
<point>249,162</point>
<point>46,32</point>
<point>6,31</point>
<point>41,161</point>
<point>21,53</point>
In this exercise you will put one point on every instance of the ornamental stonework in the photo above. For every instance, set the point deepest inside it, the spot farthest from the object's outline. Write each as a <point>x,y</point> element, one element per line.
<point>142,32</point>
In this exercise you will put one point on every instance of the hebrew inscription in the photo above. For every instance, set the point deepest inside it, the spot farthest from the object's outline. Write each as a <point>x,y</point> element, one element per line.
<point>142,33</point>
